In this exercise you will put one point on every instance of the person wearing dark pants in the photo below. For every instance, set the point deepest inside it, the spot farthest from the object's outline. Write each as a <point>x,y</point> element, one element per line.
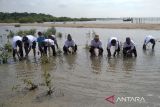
<point>17,42</point>
<point>29,42</point>
<point>54,39</point>
<point>69,44</point>
<point>149,39</point>
<point>40,40</point>
<point>47,44</point>
<point>96,43</point>
<point>129,48</point>
<point>113,42</point>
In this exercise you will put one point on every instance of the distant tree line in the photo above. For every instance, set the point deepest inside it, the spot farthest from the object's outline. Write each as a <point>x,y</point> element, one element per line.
<point>34,17</point>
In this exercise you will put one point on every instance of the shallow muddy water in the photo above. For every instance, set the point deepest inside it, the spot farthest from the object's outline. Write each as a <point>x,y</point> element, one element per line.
<point>83,81</point>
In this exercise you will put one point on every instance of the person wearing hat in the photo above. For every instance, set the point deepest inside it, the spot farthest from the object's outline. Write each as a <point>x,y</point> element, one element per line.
<point>96,44</point>
<point>69,45</point>
<point>40,40</point>
<point>29,42</point>
<point>17,42</point>
<point>113,41</point>
<point>149,39</point>
<point>129,48</point>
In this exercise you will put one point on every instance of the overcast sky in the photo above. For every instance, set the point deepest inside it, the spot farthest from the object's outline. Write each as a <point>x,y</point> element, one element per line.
<point>85,8</point>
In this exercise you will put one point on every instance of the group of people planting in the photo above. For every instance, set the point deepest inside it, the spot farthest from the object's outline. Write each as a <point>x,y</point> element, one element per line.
<point>29,42</point>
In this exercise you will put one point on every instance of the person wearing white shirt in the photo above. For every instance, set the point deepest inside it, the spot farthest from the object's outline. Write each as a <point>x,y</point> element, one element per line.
<point>149,39</point>
<point>96,44</point>
<point>113,41</point>
<point>17,42</point>
<point>129,48</point>
<point>69,44</point>
<point>29,42</point>
<point>54,39</point>
<point>49,43</point>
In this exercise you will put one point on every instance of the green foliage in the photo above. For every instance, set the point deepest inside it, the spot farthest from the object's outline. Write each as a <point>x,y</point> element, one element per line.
<point>8,47</point>
<point>11,34</point>
<point>50,31</point>
<point>3,56</point>
<point>30,84</point>
<point>48,82</point>
<point>26,32</point>
<point>17,25</point>
<point>45,59</point>
<point>59,34</point>
<point>33,17</point>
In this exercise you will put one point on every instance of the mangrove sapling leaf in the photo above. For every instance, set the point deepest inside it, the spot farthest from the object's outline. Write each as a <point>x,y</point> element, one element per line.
<point>30,84</point>
<point>45,59</point>
<point>48,82</point>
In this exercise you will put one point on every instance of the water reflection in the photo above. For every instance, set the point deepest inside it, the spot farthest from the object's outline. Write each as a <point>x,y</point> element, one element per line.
<point>71,61</point>
<point>96,64</point>
<point>129,64</point>
<point>50,66</point>
<point>25,69</point>
<point>149,52</point>
<point>112,63</point>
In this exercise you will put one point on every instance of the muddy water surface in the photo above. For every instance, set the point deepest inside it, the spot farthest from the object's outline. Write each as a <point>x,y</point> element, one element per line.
<point>83,81</point>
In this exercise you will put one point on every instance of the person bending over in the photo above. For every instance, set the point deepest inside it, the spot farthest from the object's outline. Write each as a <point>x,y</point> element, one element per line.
<point>149,39</point>
<point>40,40</point>
<point>129,48</point>
<point>47,43</point>
<point>17,42</point>
<point>113,42</point>
<point>29,42</point>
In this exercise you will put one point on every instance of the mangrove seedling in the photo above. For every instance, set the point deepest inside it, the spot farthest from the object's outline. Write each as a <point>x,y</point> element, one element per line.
<point>17,25</point>
<point>45,59</point>
<point>8,47</point>
<point>11,34</point>
<point>30,84</point>
<point>59,35</point>
<point>50,31</point>
<point>3,56</point>
<point>48,83</point>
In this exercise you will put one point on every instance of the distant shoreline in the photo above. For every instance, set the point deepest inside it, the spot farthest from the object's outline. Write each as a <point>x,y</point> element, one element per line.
<point>91,25</point>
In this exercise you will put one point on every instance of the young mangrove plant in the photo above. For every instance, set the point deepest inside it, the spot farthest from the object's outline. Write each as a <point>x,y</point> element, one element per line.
<point>45,59</point>
<point>26,32</point>
<point>50,31</point>
<point>48,82</point>
<point>8,47</point>
<point>59,35</point>
<point>30,84</point>
<point>17,25</point>
<point>3,56</point>
<point>11,34</point>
